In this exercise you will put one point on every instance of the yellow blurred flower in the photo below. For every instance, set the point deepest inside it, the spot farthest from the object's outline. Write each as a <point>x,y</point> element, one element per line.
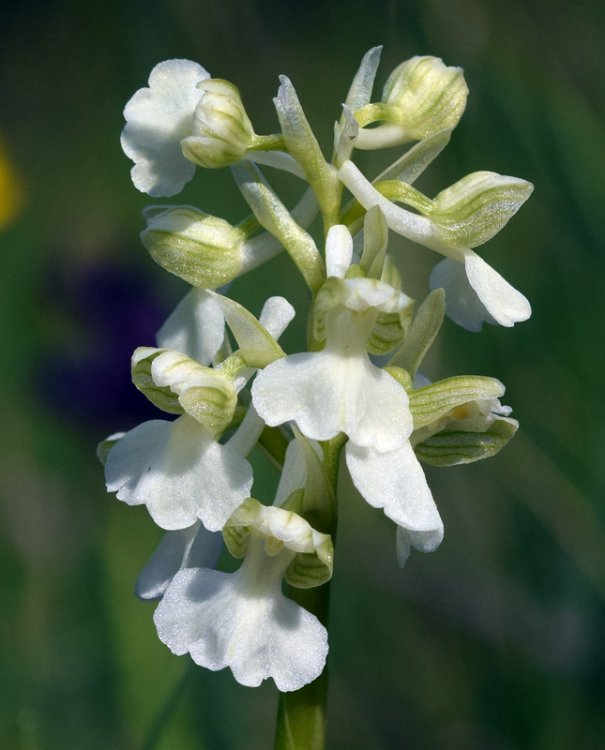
<point>11,189</point>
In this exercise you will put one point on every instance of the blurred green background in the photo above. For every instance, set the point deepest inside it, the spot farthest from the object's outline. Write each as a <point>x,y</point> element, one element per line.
<point>493,642</point>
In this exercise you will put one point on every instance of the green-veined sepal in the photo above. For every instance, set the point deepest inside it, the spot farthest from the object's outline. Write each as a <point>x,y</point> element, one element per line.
<point>313,560</point>
<point>333,292</point>
<point>422,96</point>
<point>429,95</point>
<point>449,448</point>
<point>435,401</point>
<point>222,131</point>
<point>176,383</point>
<point>474,209</point>
<point>203,250</point>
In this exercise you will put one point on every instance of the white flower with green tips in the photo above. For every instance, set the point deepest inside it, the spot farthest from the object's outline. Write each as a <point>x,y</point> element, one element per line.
<point>338,389</point>
<point>461,217</point>
<point>178,469</point>
<point>157,120</point>
<point>243,620</point>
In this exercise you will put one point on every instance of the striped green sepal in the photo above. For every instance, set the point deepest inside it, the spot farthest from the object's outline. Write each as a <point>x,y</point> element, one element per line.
<point>161,396</point>
<point>204,250</point>
<point>449,448</point>
<point>474,209</point>
<point>432,402</point>
<point>388,332</point>
<point>308,570</point>
<point>422,333</point>
<point>175,383</point>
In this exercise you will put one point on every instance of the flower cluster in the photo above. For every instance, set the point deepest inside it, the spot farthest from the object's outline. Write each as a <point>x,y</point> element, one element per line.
<point>356,392</point>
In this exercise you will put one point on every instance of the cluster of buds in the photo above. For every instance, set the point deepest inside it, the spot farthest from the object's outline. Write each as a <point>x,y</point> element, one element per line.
<point>356,392</point>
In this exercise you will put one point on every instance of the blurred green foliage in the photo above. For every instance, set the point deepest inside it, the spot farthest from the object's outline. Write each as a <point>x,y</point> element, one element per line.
<point>495,640</point>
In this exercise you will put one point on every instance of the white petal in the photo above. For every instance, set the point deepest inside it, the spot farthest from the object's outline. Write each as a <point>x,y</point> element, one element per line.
<point>294,472</point>
<point>325,393</point>
<point>276,314</point>
<point>157,119</point>
<point>179,473</point>
<point>339,251</point>
<point>502,301</point>
<point>462,304</point>
<point>205,613</point>
<point>196,327</point>
<point>476,294</point>
<point>395,481</point>
<point>194,547</point>
<point>423,541</point>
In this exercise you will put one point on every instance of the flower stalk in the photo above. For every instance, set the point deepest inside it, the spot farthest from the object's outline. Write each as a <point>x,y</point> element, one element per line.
<point>302,715</point>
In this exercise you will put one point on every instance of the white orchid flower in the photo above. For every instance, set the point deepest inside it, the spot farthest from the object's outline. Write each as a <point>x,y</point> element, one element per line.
<point>475,292</point>
<point>242,620</point>
<point>338,389</point>
<point>178,469</point>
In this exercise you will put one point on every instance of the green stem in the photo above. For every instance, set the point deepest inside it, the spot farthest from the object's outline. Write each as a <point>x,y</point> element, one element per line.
<point>274,142</point>
<point>301,714</point>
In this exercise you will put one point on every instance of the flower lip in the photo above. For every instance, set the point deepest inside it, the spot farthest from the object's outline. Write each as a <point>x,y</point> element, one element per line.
<point>229,620</point>
<point>158,117</point>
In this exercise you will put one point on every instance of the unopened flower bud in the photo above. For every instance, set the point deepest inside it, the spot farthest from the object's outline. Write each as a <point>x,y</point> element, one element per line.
<point>428,95</point>
<point>222,131</point>
<point>204,250</point>
<point>421,97</point>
